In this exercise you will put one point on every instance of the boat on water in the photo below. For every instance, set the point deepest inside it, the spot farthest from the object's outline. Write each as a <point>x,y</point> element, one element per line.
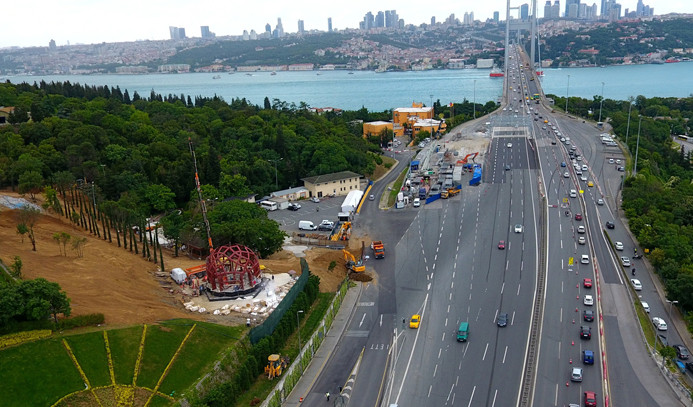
<point>351,73</point>
<point>496,74</point>
<point>249,74</point>
<point>216,77</point>
<point>273,73</point>
<point>672,60</point>
<point>540,73</point>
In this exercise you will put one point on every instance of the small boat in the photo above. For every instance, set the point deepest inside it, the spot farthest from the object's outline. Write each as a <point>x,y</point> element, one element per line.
<point>351,73</point>
<point>540,73</point>
<point>249,74</point>
<point>273,73</point>
<point>216,77</point>
<point>496,74</point>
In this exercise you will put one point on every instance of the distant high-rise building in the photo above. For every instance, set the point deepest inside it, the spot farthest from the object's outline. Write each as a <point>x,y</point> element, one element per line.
<point>329,24</point>
<point>433,20</point>
<point>51,44</point>
<point>245,35</point>
<point>279,29</point>
<point>604,12</point>
<point>177,33</point>
<point>496,16</point>
<point>556,9</point>
<point>568,5</point>
<point>368,21</point>
<point>380,20</point>
<point>524,12</point>
<point>451,19</point>
<point>547,9</point>
<point>268,28</point>
<point>204,31</point>
<point>391,18</point>
<point>301,28</point>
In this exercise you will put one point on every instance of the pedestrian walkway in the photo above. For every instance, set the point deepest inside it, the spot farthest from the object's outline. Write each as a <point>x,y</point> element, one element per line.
<point>322,356</point>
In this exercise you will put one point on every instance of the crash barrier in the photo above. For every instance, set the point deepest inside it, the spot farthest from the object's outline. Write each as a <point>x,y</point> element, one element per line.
<point>293,374</point>
<point>269,325</point>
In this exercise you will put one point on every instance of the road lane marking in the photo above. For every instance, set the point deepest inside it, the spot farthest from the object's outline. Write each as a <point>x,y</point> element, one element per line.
<point>485,350</point>
<point>505,353</point>
<point>362,319</point>
<point>440,351</point>
<point>381,319</point>
<point>452,285</point>
<point>518,289</point>
<point>434,374</point>
<point>471,397</point>
<point>494,398</point>
<point>560,318</point>
<point>430,387</point>
<point>512,320</point>
<point>502,288</point>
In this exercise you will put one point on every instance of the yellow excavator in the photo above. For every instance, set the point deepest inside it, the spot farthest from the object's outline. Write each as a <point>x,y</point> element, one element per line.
<point>275,365</point>
<point>352,264</point>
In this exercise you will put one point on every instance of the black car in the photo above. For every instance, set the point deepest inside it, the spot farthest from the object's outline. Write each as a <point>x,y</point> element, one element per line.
<point>681,352</point>
<point>689,366</point>
<point>294,207</point>
<point>502,320</point>
<point>588,315</point>
<point>610,224</point>
<point>585,332</point>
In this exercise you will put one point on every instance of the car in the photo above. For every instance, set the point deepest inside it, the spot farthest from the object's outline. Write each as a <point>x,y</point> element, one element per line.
<point>315,199</point>
<point>573,193</point>
<point>645,306</point>
<point>585,332</point>
<point>588,300</point>
<point>689,366</point>
<point>576,374</point>
<point>588,357</point>
<point>659,323</point>
<point>578,216</point>
<point>610,224</point>
<point>415,321</point>
<point>553,142</point>
<point>518,228</point>
<point>618,246</point>
<point>582,240</point>
<point>621,169</point>
<point>581,229</point>
<point>637,286</point>
<point>502,319</point>
<point>585,259</point>
<point>583,178</point>
<point>588,315</point>
<point>611,160</point>
<point>590,184</point>
<point>584,168</point>
<point>326,225</point>
<point>416,203</point>
<point>618,161</point>
<point>590,399</point>
<point>600,202</point>
<point>579,158</point>
<point>501,245</point>
<point>371,197</point>
<point>510,144</point>
<point>294,206</point>
<point>507,167</point>
<point>578,172</point>
<point>681,352</point>
<point>663,339</point>
<point>587,283</point>
<point>563,164</point>
<point>566,175</point>
<point>625,261</point>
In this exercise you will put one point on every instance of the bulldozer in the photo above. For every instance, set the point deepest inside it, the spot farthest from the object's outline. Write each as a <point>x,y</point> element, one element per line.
<point>275,365</point>
<point>351,264</point>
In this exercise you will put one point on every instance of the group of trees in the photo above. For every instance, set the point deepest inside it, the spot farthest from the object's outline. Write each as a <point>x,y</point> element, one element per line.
<point>658,200</point>
<point>31,300</point>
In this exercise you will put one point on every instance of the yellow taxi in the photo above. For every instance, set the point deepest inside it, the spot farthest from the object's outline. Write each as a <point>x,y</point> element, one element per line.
<point>590,184</point>
<point>415,321</point>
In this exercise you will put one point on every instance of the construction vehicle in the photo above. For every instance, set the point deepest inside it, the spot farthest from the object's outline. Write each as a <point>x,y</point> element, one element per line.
<point>378,249</point>
<point>453,191</point>
<point>275,365</point>
<point>466,158</point>
<point>351,264</point>
<point>444,194</point>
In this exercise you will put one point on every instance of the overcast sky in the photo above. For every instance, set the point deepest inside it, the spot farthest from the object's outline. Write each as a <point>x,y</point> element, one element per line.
<point>36,22</point>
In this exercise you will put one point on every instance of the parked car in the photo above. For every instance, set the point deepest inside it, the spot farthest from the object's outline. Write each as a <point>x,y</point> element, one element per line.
<point>681,352</point>
<point>294,206</point>
<point>326,225</point>
<point>659,324</point>
<point>315,199</point>
<point>416,203</point>
<point>585,332</point>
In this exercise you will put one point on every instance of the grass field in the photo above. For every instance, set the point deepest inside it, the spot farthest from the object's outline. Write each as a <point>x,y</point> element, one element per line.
<point>42,373</point>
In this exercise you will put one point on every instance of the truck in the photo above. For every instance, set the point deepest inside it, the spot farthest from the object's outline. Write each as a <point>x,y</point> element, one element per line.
<point>422,192</point>
<point>378,249</point>
<point>447,193</point>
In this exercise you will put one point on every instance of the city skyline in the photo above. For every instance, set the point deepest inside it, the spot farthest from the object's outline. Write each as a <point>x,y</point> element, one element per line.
<point>89,22</point>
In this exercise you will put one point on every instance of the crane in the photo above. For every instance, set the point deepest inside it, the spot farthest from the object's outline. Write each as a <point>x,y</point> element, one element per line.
<point>199,196</point>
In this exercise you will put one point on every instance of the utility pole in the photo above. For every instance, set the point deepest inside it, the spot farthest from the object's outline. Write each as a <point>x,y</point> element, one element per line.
<point>275,161</point>
<point>630,106</point>
<point>637,146</point>
<point>601,102</point>
<point>475,98</point>
<point>567,91</point>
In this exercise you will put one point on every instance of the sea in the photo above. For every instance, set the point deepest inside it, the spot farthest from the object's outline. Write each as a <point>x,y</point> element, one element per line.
<point>353,90</point>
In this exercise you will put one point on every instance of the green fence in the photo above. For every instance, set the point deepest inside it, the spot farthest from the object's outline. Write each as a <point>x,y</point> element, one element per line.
<point>266,328</point>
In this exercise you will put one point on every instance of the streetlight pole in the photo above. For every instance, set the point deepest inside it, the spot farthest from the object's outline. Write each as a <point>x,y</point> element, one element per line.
<point>298,328</point>
<point>630,106</point>
<point>637,147</point>
<point>432,111</point>
<point>475,98</point>
<point>671,303</point>
<point>601,102</point>
<point>567,91</point>
<point>275,161</point>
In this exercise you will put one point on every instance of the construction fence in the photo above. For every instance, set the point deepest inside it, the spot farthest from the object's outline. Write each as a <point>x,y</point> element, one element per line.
<point>295,371</point>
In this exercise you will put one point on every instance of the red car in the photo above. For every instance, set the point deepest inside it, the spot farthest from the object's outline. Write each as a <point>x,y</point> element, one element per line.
<point>578,216</point>
<point>590,399</point>
<point>587,283</point>
<point>501,244</point>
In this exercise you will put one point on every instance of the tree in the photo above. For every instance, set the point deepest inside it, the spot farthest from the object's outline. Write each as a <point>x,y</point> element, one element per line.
<point>159,197</point>
<point>52,200</point>
<point>43,299</point>
<point>62,238</point>
<point>28,216</point>
<point>268,105</point>
<point>247,224</point>
<point>16,267</point>
<point>31,182</point>
<point>78,245</point>
<point>173,224</point>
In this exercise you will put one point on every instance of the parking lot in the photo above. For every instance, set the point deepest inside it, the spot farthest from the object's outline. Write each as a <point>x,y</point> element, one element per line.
<point>327,208</point>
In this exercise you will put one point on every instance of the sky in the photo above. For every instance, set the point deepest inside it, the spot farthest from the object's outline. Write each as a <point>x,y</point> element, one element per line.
<point>28,23</point>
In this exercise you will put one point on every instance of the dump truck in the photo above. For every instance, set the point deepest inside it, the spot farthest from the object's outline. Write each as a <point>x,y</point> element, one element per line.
<point>378,249</point>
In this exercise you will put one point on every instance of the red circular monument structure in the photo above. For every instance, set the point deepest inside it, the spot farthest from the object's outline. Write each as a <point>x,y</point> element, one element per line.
<point>232,269</point>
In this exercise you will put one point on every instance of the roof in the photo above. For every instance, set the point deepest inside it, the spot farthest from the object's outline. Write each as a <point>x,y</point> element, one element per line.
<point>335,176</point>
<point>378,123</point>
<point>7,109</point>
<point>413,109</point>
<point>288,191</point>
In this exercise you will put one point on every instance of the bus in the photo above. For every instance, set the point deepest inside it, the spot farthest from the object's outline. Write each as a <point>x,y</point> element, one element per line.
<point>536,96</point>
<point>269,205</point>
<point>682,137</point>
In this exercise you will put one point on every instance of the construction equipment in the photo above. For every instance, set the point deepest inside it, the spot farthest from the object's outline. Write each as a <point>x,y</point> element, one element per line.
<point>453,191</point>
<point>466,157</point>
<point>351,264</point>
<point>344,232</point>
<point>275,365</point>
<point>378,249</point>
<point>444,194</point>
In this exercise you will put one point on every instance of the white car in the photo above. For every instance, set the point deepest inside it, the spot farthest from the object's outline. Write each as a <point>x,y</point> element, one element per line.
<point>645,306</point>
<point>583,178</point>
<point>600,201</point>
<point>585,259</point>
<point>618,246</point>
<point>581,229</point>
<point>518,228</point>
<point>315,199</point>
<point>573,193</point>
<point>659,324</point>
<point>581,240</point>
<point>416,203</point>
<point>566,175</point>
<point>636,284</point>
<point>584,168</point>
<point>588,300</point>
<point>611,160</point>
<point>625,261</point>
<point>510,145</point>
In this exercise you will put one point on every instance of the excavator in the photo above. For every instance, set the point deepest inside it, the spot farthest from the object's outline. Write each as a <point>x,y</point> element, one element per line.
<point>352,264</point>
<point>464,160</point>
<point>275,365</point>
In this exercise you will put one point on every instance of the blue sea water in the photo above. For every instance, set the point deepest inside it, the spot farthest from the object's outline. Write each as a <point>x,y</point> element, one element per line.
<point>381,91</point>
